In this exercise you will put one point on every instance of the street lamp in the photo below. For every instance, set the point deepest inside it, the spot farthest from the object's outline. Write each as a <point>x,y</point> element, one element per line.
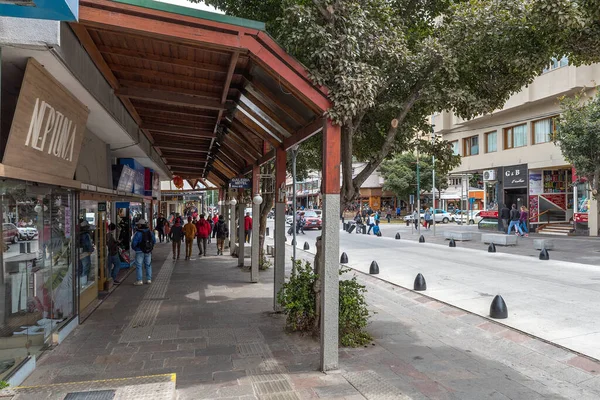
<point>257,199</point>
<point>233,202</point>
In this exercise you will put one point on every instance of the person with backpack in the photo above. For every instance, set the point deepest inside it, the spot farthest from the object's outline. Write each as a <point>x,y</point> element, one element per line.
<point>427,218</point>
<point>222,234</point>
<point>189,230</point>
<point>114,261</point>
<point>143,244</point>
<point>160,223</point>
<point>211,226</point>
<point>203,232</point>
<point>176,236</point>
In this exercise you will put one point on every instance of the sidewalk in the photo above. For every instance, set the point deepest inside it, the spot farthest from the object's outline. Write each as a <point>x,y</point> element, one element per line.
<point>204,322</point>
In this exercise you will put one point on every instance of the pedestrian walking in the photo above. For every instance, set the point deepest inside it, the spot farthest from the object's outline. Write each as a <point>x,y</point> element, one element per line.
<point>398,211</point>
<point>359,222</point>
<point>248,227</point>
<point>523,219</point>
<point>160,223</point>
<point>416,218</point>
<point>377,217</point>
<point>222,233</point>
<point>202,232</point>
<point>114,261</point>
<point>215,222</point>
<point>176,236</point>
<point>427,218</point>
<point>189,230</point>
<point>211,223</point>
<point>167,231</point>
<point>504,216</point>
<point>370,222</point>
<point>515,215</point>
<point>143,244</point>
<point>388,216</point>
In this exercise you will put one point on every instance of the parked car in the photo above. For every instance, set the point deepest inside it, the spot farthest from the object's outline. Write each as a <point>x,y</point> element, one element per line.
<point>471,217</point>
<point>23,233</point>
<point>313,220</point>
<point>32,232</point>
<point>10,233</point>
<point>442,216</point>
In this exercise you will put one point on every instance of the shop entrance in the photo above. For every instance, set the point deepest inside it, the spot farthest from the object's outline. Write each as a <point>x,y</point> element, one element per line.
<point>515,196</point>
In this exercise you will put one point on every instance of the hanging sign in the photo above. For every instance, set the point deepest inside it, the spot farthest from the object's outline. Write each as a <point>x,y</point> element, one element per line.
<point>48,126</point>
<point>240,183</point>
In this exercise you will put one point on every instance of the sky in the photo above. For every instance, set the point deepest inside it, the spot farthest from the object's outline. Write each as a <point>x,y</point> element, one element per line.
<point>185,3</point>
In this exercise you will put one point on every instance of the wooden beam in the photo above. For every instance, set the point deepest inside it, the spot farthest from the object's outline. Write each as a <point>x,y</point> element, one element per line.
<point>192,132</point>
<point>255,128</point>
<point>149,73</point>
<point>157,108</point>
<point>240,151</point>
<point>202,125</point>
<point>166,149</point>
<point>265,96</point>
<point>169,98</point>
<point>218,69</point>
<point>168,88</point>
<point>90,46</point>
<point>300,136</point>
<point>261,117</point>
<point>232,65</point>
<point>286,122</point>
<point>263,160</point>
<point>243,143</point>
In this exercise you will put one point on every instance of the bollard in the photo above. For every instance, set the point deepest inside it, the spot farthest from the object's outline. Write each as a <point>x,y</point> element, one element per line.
<point>452,243</point>
<point>344,258</point>
<point>544,254</point>
<point>397,235</point>
<point>420,284</point>
<point>306,246</point>
<point>364,229</point>
<point>422,239</point>
<point>498,309</point>
<point>492,248</point>
<point>374,269</point>
<point>345,226</point>
<point>407,223</point>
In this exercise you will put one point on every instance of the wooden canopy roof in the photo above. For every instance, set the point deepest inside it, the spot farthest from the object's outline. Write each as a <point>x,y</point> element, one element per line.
<point>214,94</point>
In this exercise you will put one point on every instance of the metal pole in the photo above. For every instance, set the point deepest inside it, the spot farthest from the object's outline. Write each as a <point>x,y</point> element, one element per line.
<point>418,192</point>
<point>294,153</point>
<point>433,178</point>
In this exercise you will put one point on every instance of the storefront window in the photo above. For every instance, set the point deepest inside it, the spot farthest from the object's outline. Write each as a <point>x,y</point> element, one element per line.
<point>37,256</point>
<point>88,259</point>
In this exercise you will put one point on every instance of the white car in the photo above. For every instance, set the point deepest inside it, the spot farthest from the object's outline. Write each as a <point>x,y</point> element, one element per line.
<point>441,216</point>
<point>467,217</point>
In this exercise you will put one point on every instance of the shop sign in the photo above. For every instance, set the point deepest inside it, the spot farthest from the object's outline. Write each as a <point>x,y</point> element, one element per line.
<point>102,207</point>
<point>536,185</point>
<point>581,217</point>
<point>240,183</point>
<point>56,10</point>
<point>515,176</point>
<point>489,214</point>
<point>48,126</point>
<point>558,199</point>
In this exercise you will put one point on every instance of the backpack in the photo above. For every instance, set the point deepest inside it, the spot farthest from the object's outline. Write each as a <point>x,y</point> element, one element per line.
<point>146,244</point>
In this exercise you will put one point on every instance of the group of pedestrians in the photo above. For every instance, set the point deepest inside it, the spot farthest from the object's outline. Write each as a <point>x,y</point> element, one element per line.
<point>144,240</point>
<point>514,219</point>
<point>371,221</point>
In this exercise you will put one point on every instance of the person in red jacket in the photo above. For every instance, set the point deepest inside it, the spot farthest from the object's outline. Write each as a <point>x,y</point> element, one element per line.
<point>215,222</point>
<point>202,232</point>
<point>248,226</point>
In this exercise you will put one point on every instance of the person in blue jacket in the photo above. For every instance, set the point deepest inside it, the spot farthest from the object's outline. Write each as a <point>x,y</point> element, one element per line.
<point>143,244</point>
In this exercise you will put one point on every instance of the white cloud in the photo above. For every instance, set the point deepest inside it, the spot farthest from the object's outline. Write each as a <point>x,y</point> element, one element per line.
<point>186,3</point>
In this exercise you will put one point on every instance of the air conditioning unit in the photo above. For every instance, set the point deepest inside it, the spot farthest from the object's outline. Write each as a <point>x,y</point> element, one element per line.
<point>489,175</point>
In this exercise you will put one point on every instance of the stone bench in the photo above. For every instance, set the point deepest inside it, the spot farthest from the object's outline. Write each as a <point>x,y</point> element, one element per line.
<point>499,239</point>
<point>269,250</point>
<point>247,250</point>
<point>540,244</point>
<point>461,236</point>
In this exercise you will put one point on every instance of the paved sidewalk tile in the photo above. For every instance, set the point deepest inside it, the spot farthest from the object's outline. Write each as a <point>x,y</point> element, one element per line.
<point>217,332</point>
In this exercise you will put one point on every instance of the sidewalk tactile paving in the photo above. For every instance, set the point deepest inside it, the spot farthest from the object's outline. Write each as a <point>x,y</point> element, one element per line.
<point>269,387</point>
<point>95,395</point>
<point>252,349</point>
<point>373,386</point>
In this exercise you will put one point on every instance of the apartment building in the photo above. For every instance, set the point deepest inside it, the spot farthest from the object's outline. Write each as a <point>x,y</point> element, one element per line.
<point>513,152</point>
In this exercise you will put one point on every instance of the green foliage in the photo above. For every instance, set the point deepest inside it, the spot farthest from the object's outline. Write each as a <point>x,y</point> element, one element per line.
<point>3,385</point>
<point>264,263</point>
<point>578,135</point>
<point>354,313</point>
<point>297,297</point>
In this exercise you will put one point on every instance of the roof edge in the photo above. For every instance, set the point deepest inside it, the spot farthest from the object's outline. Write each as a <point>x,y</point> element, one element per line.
<point>192,12</point>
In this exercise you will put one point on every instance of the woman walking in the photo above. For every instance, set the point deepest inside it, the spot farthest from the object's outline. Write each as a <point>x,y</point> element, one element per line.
<point>523,219</point>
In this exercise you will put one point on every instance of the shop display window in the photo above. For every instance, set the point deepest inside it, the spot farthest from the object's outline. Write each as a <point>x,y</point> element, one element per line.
<point>37,293</point>
<point>87,242</point>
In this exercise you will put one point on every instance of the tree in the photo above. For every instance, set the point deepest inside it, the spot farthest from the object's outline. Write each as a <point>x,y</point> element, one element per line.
<point>578,136</point>
<point>389,64</point>
<point>400,171</point>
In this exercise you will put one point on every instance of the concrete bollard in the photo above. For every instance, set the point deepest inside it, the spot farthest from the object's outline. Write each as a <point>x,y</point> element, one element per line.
<point>544,254</point>
<point>498,309</point>
<point>306,246</point>
<point>452,243</point>
<point>407,223</point>
<point>420,284</point>
<point>422,239</point>
<point>492,248</point>
<point>374,269</point>
<point>344,258</point>
<point>397,235</point>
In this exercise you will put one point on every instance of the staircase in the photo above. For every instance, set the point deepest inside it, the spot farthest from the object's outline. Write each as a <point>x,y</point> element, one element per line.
<point>557,229</point>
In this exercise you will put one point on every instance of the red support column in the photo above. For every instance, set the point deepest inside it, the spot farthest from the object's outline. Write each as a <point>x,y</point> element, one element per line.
<point>330,246</point>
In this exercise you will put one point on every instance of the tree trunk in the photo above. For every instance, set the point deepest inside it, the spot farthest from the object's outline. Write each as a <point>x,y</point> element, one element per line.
<point>348,192</point>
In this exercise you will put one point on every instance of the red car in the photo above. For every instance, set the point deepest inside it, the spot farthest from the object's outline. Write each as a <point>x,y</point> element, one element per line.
<point>10,233</point>
<point>313,221</point>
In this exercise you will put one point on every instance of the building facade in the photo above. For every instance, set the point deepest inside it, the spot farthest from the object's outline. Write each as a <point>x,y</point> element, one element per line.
<point>512,154</point>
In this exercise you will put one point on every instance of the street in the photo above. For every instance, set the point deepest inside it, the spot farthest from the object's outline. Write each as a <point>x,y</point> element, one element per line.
<point>551,299</point>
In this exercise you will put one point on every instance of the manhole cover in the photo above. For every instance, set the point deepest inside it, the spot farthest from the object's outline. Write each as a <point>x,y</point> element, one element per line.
<point>96,395</point>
